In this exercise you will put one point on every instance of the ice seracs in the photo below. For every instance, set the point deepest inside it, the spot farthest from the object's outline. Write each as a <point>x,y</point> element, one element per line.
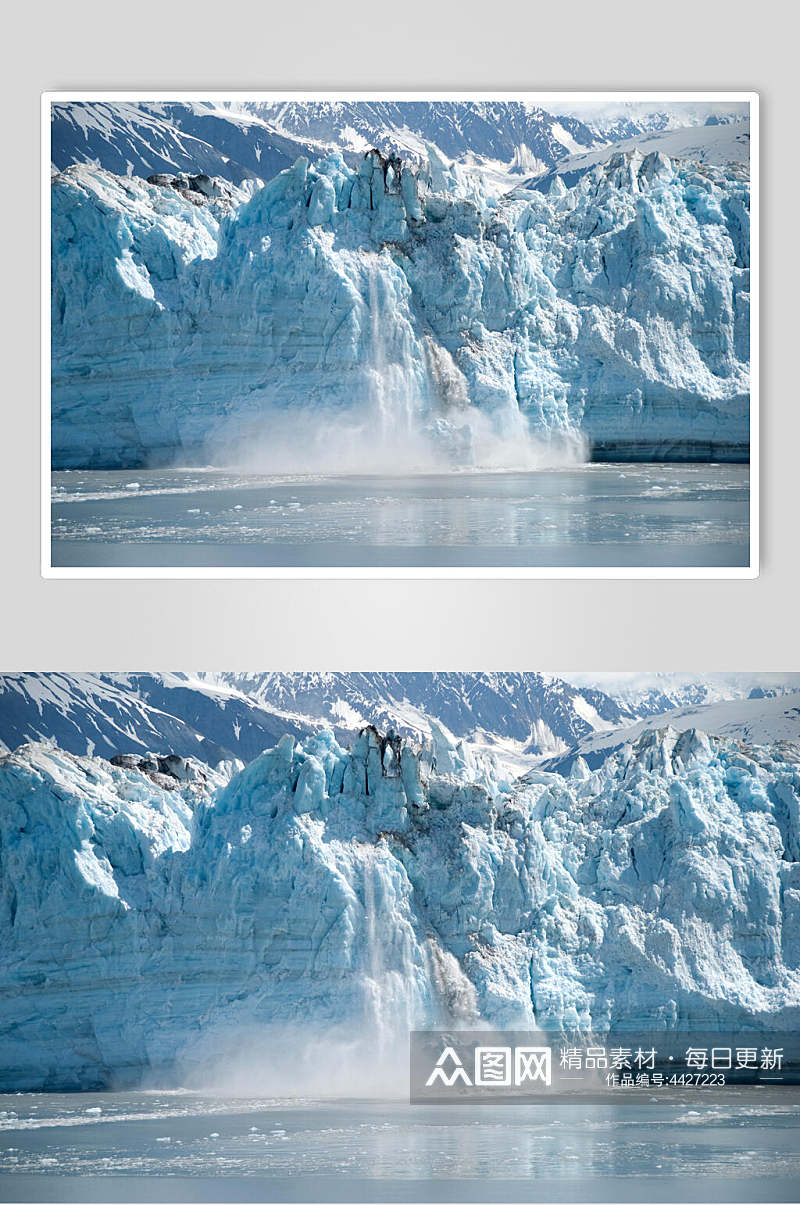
<point>145,926</point>
<point>502,328</point>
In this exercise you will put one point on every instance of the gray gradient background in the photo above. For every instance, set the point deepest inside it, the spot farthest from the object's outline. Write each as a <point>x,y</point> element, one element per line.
<point>401,624</point>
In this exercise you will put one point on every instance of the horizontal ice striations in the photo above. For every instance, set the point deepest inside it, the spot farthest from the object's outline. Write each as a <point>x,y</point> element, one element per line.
<point>415,304</point>
<point>143,928</point>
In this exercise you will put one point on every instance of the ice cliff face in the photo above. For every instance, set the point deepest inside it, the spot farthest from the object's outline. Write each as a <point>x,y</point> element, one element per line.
<point>414,313</point>
<point>151,913</point>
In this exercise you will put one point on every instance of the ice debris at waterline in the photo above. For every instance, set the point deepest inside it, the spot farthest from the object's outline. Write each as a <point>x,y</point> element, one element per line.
<point>386,315</point>
<point>146,923</point>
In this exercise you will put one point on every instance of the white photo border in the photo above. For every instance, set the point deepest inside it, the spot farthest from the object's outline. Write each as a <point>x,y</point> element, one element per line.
<point>365,572</point>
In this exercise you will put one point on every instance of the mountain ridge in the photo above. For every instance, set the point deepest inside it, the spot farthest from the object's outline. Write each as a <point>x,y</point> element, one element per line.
<point>226,715</point>
<point>256,140</point>
<point>522,718</point>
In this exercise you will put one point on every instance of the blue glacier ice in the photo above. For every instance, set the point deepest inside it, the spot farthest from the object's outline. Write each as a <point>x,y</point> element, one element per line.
<point>157,913</point>
<point>383,315</point>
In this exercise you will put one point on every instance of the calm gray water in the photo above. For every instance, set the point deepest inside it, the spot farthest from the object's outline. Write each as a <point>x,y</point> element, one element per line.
<point>739,1145</point>
<point>601,515</point>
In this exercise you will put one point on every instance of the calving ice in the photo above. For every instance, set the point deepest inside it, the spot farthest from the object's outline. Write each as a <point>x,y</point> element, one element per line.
<point>410,301</point>
<point>160,916</point>
<point>412,337</point>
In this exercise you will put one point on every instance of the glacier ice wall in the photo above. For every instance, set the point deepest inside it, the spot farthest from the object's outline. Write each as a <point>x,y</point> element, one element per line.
<point>145,921</point>
<point>411,311</point>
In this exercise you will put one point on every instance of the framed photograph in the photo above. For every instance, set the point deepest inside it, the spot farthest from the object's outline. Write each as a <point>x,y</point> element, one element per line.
<point>438,334</point>
<point>389,937</point>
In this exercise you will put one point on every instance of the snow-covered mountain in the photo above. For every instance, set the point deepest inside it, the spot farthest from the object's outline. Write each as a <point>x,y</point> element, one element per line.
<point>630,126</point>
<point>220,716</point>
<point>645,694</point>
<point>257,140</point>
<point>629,120</point>
<point>519,718</point>
<point>759,720</point>
<point>154,923</point>
<point>105,714</point>
<point>133,139</point>
<point>708,145</point>
<point>532,710</point>
<point>394,316</point>
<point>488,130</point>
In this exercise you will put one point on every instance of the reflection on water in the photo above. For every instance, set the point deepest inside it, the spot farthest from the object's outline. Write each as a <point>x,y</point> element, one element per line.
<point>601,515</point>
<point>741,1144</point>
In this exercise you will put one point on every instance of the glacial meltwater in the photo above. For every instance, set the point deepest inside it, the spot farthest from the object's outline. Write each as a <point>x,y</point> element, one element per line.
<point>739,1145</point>
<point>601,515</point>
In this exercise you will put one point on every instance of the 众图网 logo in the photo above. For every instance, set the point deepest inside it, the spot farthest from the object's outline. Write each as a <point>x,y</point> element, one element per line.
<point>494,1066</point>
<point>505,1066</point>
